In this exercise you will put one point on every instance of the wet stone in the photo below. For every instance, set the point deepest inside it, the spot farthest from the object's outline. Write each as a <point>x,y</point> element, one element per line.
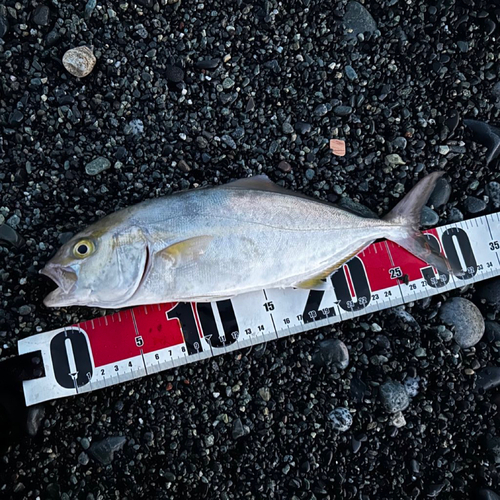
<point>331,352</point>
<point>358,20</point>
<point>428,217</point>
<point>4,23</point>
<point>493,447</point>
<point>394,396</point>
<point>454,215</point>
<point>350,73</point>
<point>441,193</point>
<point>412,386</point>
<point>321,110</point>
<point>487,495</point>
<point>302,127</point>
<point>493,191</point>
<point>489,291</point>
<point>238,430</point>
<point>83,458</point>
<point>394,159</point>
<point>41,15</point>
<point>466,318</point>
<point>488,378</point>
<point>16,117</point>
<point>341,419</point>
<point>174,74</point>
<point>342,110</point>
<point>34,419</point>
<point>207,64</point>
<point>284,166</point>
<point>97,166</point>
<point>103,451</point>
<point>492,331</point>
<point>474,205</point>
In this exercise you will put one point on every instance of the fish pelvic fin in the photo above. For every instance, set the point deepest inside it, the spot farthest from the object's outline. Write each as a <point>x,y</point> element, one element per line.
<point>406,215</point>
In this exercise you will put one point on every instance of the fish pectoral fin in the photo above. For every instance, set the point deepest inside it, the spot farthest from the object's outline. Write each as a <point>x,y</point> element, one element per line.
<point>186,250</point>
<point>316,280</point>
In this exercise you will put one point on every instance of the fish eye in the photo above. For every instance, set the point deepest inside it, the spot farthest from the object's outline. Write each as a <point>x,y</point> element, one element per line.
<point>83,249</point>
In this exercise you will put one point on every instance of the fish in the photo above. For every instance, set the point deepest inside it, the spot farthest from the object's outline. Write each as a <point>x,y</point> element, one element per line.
<point>214,243</point>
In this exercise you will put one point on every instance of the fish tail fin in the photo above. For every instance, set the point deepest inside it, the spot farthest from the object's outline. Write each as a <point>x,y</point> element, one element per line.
<point>406,215</point>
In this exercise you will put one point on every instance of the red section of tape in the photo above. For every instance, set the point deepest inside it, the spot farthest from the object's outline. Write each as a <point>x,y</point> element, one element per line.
<point>112,338</point>
<point>157,331</point>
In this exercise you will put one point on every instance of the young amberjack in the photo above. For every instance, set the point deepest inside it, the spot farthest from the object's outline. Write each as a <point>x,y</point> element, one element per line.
<point>213,243</point>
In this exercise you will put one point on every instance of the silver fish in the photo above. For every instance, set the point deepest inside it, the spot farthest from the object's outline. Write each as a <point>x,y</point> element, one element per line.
<point>213,243</point>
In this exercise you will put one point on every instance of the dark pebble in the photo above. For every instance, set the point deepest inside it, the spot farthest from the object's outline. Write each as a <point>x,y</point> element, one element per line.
<point>331,352</point>
<point>341,419</point>
<point>34,419</point>
<point>342,110</point>
<point>474,205</point>
<point>16,117</point>
<point>284,166</point>
<point>394,397</point>
<point>493,447</point>
<point>487,495</point>
<point>487,135</point>
<point>350,73</point>
<point>174,74</point>
<point>121,153</point>
<point>302,127</point>
<point>104,451</point>
<point>4,23</point>
<point>490,292</point>
<point>488,378</point>
<point>184,166</point>
<point>441,193</point>
<point>492,331</point>
<point>238,430</point>
<point>493,191</point>
<point>433,490</point>
<point>358,19</point>
<point>11,236</point>
<point>41,15</point>
<point>428,217</point>
<point>207,64</point>
<point>454,215</point>
<point>466,318</point>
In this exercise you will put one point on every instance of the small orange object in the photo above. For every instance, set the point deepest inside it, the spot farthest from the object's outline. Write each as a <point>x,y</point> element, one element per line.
<point>338,147</point>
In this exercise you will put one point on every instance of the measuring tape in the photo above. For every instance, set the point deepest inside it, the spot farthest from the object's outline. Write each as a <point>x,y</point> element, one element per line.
<point>148,339</point>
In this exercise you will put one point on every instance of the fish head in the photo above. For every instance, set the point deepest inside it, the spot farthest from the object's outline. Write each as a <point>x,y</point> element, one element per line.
<point>99,267</point>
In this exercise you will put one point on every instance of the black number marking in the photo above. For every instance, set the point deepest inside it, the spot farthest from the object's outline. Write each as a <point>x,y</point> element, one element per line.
<point>116,368</point>
<point>359,282</point>
<point>71,361</point>
<point>157,357</point>
<point>494,245</point>
<point>395,273</point>
<point>139,342</point>
<point>312,311</point>
<point>184,313</point>
<point>461,237</point>
<point>269,306</point>
<point>428,272</point>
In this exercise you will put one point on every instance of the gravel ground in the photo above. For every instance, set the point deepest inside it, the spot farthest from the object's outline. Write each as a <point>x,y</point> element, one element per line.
<point>188,94</point>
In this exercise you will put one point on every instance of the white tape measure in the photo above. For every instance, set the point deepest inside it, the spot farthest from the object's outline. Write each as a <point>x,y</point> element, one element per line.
<point>148,339</point>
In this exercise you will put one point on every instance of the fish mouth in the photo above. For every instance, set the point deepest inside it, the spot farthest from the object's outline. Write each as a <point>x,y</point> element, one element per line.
<point>64,277</point>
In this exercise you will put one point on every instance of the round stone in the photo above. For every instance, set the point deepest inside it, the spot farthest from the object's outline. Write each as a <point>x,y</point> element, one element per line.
<point>331,352</point>
<point>341,419</point>
<point>466,318</point>
<point>394,396</point>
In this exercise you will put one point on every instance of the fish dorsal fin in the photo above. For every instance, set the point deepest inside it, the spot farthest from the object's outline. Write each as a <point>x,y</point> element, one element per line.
<point>186,251</point>
<point>257,182</point>
<point>263,183</point>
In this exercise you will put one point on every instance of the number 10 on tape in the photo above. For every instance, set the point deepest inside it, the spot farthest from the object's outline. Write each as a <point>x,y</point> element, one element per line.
<point>148,339</point>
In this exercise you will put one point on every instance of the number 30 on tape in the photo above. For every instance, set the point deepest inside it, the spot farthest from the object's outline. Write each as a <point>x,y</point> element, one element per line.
<point>148,339</point>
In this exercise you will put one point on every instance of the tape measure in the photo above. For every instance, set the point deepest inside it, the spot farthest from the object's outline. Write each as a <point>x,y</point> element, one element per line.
<point>148,339</point>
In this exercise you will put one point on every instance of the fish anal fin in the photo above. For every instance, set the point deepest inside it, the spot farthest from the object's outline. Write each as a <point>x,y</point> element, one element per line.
<point>315,281</point>
<point>186,250</point>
